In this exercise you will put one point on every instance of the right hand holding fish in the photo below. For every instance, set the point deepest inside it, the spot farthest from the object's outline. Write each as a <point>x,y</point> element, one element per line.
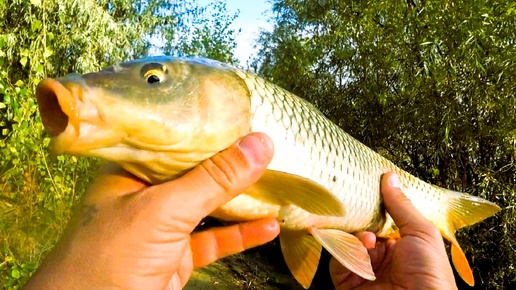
<point>418,260</point>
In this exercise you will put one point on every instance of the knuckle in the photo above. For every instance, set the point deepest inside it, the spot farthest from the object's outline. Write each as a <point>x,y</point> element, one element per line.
<point>222,171</point>
<point>432,231</point>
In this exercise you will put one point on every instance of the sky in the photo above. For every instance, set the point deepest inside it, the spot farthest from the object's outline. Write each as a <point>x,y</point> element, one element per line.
<point>252,17</point>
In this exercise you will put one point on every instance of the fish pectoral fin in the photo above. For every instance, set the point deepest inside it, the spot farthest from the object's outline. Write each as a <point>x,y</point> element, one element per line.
<point>347,249</point>
<point>282,188</point>
<point>460,262</point>
<point>301,253</point>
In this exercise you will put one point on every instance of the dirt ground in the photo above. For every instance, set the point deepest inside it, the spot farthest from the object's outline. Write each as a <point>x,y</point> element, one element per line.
<point>259,268</point>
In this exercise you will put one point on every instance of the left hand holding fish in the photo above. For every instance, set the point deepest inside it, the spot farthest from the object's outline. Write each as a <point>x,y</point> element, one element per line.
<point>130,236</point>
<point>418,260</point>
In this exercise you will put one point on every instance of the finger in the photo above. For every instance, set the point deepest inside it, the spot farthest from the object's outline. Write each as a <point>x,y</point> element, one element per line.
<point>213,244</point>
<point>340,275</point>
<point>175,282</point>
<point>222,177</point>
<point>409,220</point>
<point>381,265</point>
<point>377,254</point>
<point>112,181</point>
<point>186,268</point>
<point>367,238</point>
<point>343,278</point>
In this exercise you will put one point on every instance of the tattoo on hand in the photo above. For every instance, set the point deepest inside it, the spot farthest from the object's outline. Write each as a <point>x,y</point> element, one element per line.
<point>88,213</point>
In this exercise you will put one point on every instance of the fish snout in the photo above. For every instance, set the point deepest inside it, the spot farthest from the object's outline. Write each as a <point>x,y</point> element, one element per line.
<point>57,105</point>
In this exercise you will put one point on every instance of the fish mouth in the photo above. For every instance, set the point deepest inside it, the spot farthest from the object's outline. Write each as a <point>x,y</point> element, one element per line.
<point>57,106</point>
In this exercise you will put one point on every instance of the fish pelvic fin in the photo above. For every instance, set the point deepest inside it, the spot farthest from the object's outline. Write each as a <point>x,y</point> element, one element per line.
<point>464,210</point>
<point>347,249</point>
<point>301,253</point>
<point>283,188</point>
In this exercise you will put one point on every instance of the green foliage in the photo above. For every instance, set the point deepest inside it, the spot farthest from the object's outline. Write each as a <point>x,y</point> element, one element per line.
<point>202,31</point>
<point>429,84</point>
<point>41,38</point>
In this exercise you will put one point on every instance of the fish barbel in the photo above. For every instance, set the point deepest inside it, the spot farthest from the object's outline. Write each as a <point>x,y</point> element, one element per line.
<point>159,117</point>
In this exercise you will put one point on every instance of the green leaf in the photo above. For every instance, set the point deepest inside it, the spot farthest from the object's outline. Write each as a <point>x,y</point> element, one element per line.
<point>19,83</point>
<point>39,68</point>
<point>35,2</point>
<point>48,52</point>
<point>12,150</point>
<point>25,52</point>
<point>23,61</point>
<point>50,36</point>
<point>36,25</point>
<point>15,273</point>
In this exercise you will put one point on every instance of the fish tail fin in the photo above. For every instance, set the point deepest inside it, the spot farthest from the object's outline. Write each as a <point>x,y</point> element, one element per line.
<point>464,210</point>
<point>460,262</point>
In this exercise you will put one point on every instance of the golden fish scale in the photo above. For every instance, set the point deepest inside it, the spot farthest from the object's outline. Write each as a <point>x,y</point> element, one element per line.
<point>309,145</point>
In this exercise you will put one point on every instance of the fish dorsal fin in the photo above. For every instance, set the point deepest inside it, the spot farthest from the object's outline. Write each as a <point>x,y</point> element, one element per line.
<point>301,253</point>
<point>282,188</point>
<point>347,249</point>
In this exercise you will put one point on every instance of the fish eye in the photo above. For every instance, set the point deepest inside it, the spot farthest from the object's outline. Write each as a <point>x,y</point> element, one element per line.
<point>153,78</point>
<point>153,73</point>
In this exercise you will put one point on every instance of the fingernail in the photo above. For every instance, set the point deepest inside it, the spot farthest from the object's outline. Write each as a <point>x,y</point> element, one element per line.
<point>271,225</point>
<point>253,148</point>
<point>394,181</point>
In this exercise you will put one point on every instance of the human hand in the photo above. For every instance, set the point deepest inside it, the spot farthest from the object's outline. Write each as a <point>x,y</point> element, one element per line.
<point>417,260</point>
<point>130,236</point>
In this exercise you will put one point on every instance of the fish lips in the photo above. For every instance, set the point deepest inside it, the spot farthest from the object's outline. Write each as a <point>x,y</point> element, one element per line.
<point>57,106</point>
<point>57,102</point>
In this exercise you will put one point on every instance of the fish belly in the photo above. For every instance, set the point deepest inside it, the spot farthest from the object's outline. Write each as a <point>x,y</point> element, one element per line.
<point>309,145</point>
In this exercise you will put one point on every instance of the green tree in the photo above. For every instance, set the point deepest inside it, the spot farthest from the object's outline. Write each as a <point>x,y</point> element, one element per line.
<point>41,38</point>
<point>429,84</point>
<point>202,31</point>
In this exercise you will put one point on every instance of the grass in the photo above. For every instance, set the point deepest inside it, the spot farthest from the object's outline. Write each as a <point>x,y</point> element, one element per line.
<point>37,197</point>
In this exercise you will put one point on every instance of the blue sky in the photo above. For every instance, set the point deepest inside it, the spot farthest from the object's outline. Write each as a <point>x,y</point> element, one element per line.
<point>252,17</point>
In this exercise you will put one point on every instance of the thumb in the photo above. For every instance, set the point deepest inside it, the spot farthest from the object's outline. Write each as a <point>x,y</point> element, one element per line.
<point>409,219</point>
<point>222,177</point>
